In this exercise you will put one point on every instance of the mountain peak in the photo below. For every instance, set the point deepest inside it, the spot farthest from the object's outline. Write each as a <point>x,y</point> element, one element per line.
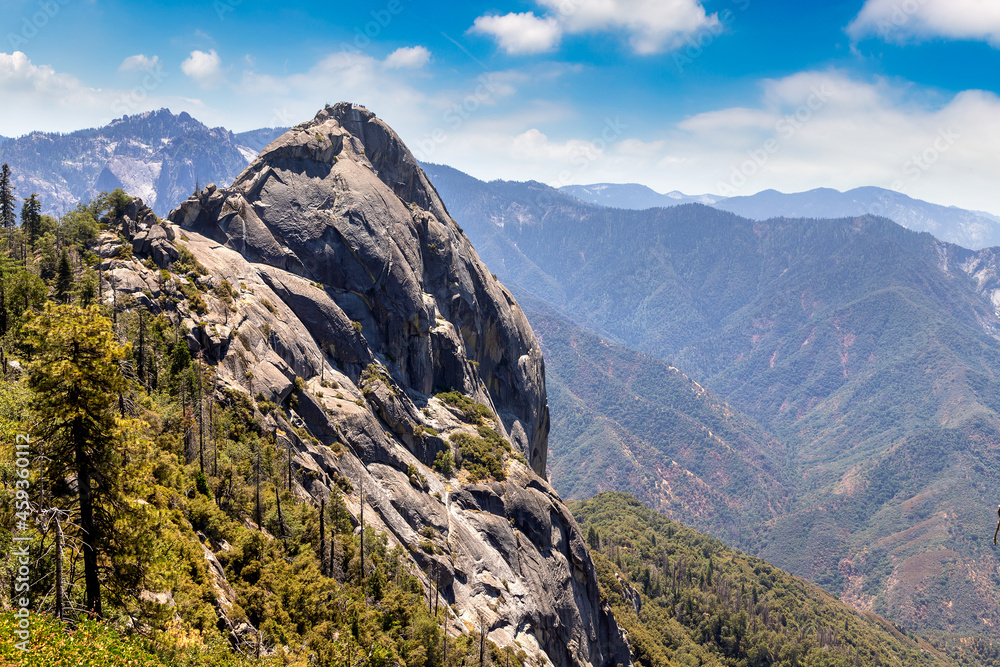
<point>340,200</point>
<point>350,131</point>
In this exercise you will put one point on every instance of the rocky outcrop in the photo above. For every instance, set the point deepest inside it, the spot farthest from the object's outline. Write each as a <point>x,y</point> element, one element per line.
<point>331,279</point>
<point>340,202</point>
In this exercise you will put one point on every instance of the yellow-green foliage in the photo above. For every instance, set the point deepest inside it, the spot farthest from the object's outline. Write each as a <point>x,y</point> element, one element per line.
<point>55,644</point>
<point>472,412</point>
<point>483,456</point>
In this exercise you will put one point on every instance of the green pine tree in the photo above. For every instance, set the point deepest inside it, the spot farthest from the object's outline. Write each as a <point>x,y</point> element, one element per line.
<point>31,218</point>
<point>8,213</point>
<point>64,278</point>
<point>75,378</point>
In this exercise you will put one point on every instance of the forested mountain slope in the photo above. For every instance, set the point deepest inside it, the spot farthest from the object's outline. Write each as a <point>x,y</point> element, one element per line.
<point>868,350</point>
<point>685,598</point>
<point>625,420</point>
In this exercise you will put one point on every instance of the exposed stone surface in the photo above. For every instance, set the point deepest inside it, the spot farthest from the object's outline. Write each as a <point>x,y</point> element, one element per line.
<point>340,202</point>
<point>332,259</point>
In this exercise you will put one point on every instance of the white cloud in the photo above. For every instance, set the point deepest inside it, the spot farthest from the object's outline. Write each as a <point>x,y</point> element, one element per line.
<point>139,63</point>
<point>408,57</point>
<point>44,99</point>
<point>906,20</point>
<point>534,146</point>
<point>652,26</point>
<point>812,129</point>
<point>520,34</point>
<point>205,68</point>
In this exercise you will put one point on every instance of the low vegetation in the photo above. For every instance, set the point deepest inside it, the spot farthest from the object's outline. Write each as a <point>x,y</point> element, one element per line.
<point>172,472</point>
<point>686,599</point>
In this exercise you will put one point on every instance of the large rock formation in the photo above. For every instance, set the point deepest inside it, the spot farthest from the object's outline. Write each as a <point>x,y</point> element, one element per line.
<point>336,284</point>
<point>341,202</point>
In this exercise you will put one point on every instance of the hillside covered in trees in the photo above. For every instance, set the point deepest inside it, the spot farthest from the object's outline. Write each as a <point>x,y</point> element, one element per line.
<point>687,599</point>
<point>110,396</point>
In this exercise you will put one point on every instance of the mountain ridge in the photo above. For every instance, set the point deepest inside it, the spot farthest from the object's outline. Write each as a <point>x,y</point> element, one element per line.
<point>857,343</point>
<point>158,156</point>
<point>634,195</point>
<point>968,228</point>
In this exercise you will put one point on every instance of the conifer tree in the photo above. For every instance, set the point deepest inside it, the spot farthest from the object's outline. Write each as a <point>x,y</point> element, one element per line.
<point>31,218</point>
<point>64,278</point>
<point>75,378</point>
<point>8,214</point>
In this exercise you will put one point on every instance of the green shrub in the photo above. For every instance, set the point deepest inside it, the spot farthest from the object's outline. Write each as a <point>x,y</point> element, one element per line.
<point>472,412</point>
<point>482,456</point>
<point>225,292</point>
<point>422,431</point>
<point>186,262</point>
<point>444,463</point>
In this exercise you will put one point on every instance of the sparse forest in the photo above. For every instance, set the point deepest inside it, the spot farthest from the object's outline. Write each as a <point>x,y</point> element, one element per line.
<point>138,462</point>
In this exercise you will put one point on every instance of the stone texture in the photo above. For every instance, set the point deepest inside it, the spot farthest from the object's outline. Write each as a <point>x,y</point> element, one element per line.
<point>340,202</point>
<point>355,299</point>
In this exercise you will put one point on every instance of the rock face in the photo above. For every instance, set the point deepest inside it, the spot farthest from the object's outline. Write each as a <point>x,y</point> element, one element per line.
<point>336,284</point>
<point>341,202</point>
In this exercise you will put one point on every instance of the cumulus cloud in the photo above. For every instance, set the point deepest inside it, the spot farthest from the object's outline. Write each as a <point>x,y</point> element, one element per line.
<point>909,20</point>
<point>520,34</point>
<point>204,68</point>
<point>652,26</point>
<point>44,99</point>
<point>139,63</point>
<point>408,57</point>
<point>808,130</point>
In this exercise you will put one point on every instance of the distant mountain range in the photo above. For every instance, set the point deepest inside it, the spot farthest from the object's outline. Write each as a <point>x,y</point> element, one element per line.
<point>161,157</point>
<point>634,196</point>
<point>158,156</point>
<point>868,351</point>
<point>969,229</point>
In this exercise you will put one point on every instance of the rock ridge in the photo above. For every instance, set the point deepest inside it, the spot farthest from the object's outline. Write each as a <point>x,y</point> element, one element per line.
<point>332,281</point>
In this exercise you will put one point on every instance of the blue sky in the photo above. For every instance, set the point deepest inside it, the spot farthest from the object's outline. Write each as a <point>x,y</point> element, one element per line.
<point>722,96</point>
